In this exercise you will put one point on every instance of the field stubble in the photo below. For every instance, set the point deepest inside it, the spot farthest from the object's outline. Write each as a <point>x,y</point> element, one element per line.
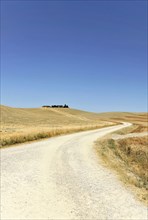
<point>128,157</point>
<point>22,125</point>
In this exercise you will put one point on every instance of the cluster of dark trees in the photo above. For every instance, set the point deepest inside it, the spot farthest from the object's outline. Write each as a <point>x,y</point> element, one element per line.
<point>55,106</point>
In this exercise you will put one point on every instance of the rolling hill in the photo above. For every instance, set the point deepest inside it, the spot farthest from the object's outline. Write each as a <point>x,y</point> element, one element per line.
<point>25,124</point>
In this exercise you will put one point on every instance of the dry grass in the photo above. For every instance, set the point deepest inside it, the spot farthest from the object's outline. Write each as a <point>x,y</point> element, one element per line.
<point>36,134</point>
<point>135,118</point>
<point>133,129</point>
<point>128,157</point>
<point>20,125</point>
<point>134,152</point>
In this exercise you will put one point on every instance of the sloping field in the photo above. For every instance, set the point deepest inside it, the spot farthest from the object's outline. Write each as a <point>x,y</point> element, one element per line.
<point>127,154</point>
<point>46,117</point>
<point>25,124</point>
<point>135,118</point>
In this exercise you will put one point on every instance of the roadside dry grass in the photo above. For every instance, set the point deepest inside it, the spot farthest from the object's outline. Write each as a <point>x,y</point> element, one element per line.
<point>128,158</point>
<point>36,134</point>
<point>19,125</point>
<point>135,128</point>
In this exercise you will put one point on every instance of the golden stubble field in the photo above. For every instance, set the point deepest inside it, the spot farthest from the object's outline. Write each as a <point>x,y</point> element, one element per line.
<point>19,125</point>
<point>128,156</point>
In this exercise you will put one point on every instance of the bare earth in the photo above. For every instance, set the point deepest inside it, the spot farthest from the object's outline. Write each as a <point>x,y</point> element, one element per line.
<point>118,136</point>
<point>60,178</point>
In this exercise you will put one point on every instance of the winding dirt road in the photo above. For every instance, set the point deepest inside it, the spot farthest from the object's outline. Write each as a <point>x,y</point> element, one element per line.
<point>60,178</point>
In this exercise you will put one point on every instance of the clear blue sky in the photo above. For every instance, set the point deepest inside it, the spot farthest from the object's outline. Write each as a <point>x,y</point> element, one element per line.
<point>90,55</point>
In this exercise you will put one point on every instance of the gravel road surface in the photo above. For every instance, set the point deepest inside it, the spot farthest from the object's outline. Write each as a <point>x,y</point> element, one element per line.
<point>60,178</point>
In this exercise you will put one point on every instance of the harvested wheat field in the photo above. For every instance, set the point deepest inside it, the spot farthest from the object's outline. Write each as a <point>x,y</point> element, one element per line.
<point>19,125</point>
<point>125,152</point>
<point>134,118</point>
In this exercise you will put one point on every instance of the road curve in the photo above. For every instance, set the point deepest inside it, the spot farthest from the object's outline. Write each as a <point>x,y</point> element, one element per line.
<point>60,178</point>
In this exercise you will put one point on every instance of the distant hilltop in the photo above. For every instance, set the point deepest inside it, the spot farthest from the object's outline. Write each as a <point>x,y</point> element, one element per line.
<point>55,106</point>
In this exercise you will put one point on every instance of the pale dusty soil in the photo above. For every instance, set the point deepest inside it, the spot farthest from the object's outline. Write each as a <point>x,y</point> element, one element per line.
<point>60,178</point>
<point>131,135</point>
